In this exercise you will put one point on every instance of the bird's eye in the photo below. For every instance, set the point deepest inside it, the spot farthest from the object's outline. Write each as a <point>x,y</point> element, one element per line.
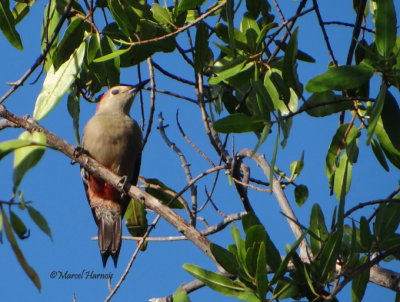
<point>115,91</point>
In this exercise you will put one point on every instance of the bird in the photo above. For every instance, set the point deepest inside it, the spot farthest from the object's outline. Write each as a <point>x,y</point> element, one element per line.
<point>115,140</point>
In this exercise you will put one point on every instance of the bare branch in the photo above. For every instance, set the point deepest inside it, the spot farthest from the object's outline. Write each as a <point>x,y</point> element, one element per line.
<point>39,60</point>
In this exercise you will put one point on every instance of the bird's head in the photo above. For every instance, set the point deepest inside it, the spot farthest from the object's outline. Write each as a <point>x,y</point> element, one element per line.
<point>119,98</point>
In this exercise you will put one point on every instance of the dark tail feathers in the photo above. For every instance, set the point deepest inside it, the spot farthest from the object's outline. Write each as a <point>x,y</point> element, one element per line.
<point>109,238</point>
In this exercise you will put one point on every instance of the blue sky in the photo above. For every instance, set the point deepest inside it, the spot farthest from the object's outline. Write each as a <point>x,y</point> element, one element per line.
<point>57,191</point>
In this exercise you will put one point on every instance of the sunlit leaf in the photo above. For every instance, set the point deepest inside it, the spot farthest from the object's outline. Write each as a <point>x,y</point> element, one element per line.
<point>180,296</point>
<point>318,228</point>
<point>27,157</point>
<point>376,112</point>
<point>239,123</point>
<point>57,83</point>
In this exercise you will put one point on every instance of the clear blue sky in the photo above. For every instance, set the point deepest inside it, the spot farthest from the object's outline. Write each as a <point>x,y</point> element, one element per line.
<point>57,189</point>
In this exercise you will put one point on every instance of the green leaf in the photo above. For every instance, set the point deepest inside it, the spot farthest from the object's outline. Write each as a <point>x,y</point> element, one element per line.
<point>329,255</point>
<point>125,16</point>
<point>162,14</point>
<point>217,282</point>
<point>387,221</point>
<point>318,228</point>
<point>225,258</point>
<point>284,98</point>
<point>165,194</point>
<point>263,137</point>
<point>239,123</point>
<point>227,73</point>
<point>40,221</point>
<point>18,226</point>
<point>365,234</point>
<point>325,103</point>
<point>21,10</point>
<point>341,78</point>
<point>392,154</point>
<point>261,273</point>
<point>57,83</point>
<point>391,119</point>
<point>7,25</point>
<point>300,194</point>
<point>180,296</point>
<point>18,253</point>
<point>112,55</point>
<point>74,110</point>
<point>359,283</point>
<point>290,66</point>
<point>343,176</point>
<point>201,49</point>
<point>73,37</point>
<point>11,145</point>
<point>27,157</point>
<point>296,167</point>
<point>337,145</point>
<point>136,220</point>
<point>285,288</point>
<point>386,30</point>
<point>264,101</point>
<point>376,148</point>
<point>189,4</point>
<point>376,112</point>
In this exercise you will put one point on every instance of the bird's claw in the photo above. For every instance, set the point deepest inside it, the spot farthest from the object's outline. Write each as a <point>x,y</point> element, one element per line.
<point>123,184</point>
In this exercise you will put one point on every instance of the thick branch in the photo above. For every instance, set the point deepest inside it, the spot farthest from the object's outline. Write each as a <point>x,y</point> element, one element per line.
<point>95,168</point>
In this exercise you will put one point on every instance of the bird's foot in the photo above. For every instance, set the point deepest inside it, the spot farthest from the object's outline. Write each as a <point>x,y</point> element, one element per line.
<point>78,151</point>
<point>123,185</point>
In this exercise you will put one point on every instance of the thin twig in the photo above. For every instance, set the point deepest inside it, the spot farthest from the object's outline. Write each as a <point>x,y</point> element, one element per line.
<point>43,55</point>
<point>185,167</point>
<point>171,75</point>
<point>152,100</point>
<point>191,143</point>
<point>326,38</point>
<point>173,94</point>
<point>348,25</point>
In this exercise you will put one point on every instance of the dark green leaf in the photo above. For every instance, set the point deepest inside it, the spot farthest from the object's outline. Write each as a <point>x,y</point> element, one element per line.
<point>93,47</point>
<point>262,138</point>
<point>329,255</point>
<point>229,12</point>
<point>225,258</point>
<point>263,98</point>
<point>365,234</point>
<point>337,145</point>
<point>239,123</point>
<point>27,157</point>
<point>215,281</point>
<point>261,273</point>
<point>386,30</point>
<point>162,192</point>
<point>18,226</point>
<point>125,16</point>
<point>392,154</point>
<point>376,148</point>
<point>300,194</point>
<point>7,25</point>
<point>290,66</point>
<point>359,283</point>
<point>18,253</point>
<point>341,78</point>
<point>249,220</point>
<point>376,112</point>
<point>227,73</point>
<point>240,244</point>
<point>391,119</point>
<point>387,220</point>
<point>73,37</point>
<point>40,221</point>
<point>325,103</point>
<point>255,235</point>
<point>201,47</point>
<point>317,228</point>
<point>285,288</point>
<point>74,110</point>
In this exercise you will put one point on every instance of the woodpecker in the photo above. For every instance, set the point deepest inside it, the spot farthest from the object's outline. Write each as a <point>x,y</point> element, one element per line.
<point>115,140</point>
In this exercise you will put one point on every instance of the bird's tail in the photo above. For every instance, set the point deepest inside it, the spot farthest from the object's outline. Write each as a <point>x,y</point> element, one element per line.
<point>110,237</point>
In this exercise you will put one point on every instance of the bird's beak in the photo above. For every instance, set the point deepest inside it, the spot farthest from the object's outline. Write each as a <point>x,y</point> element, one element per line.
<point>138,86</point>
